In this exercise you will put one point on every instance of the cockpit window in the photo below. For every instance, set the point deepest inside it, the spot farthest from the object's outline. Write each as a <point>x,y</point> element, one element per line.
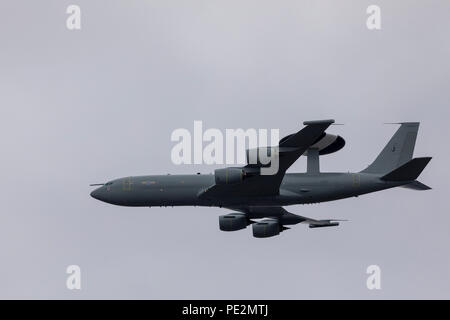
<point>108,183</point>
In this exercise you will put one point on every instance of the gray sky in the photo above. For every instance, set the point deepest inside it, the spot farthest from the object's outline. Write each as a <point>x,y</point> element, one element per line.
<point>80,107</point>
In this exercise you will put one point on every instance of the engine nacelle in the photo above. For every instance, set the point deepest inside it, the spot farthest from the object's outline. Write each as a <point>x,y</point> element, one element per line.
<point>229,175</point>
<point>233,222</point>
<point>262,156</point>
<point>266,228</point>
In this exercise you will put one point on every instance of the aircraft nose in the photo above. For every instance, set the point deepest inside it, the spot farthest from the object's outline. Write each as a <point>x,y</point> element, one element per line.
<point>97,193</point>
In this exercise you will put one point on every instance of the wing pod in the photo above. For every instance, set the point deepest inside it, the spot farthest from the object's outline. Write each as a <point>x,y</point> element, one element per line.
<point>323,223</point>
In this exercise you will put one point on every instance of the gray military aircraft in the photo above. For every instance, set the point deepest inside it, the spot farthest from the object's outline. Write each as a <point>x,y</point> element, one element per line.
<point>251,195</point>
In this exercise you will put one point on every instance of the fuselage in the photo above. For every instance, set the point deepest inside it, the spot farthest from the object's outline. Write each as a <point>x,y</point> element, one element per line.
<point>184,190</point>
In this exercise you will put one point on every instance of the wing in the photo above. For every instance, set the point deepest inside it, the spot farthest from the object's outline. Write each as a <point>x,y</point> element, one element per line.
<point>284,217</point>
<point>290,149</point>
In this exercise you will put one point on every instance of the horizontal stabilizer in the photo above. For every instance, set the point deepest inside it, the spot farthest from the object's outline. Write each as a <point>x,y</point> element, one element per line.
<point>409,171</point>
<point>416,185</point>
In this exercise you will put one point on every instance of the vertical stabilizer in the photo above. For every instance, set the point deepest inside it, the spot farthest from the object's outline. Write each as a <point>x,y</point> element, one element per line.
<point>398,151</point>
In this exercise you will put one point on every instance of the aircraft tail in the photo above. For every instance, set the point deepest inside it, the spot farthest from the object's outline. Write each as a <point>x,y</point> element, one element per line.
<point>398,151</point>
<point>416,185</point>
<point>408,171</point>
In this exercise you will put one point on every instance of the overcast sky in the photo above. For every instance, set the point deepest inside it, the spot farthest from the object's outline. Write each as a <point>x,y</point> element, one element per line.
<point>87,106</point>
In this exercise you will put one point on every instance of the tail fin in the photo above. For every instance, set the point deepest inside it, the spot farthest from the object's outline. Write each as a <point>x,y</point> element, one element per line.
<point>398,151</point>
<point>409,171</point>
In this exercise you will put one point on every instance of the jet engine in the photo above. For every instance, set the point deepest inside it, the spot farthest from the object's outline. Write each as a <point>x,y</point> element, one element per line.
<point>254,155</point>
<point>267,228</point>
<point>229,175</point>
<point>233,222</point>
